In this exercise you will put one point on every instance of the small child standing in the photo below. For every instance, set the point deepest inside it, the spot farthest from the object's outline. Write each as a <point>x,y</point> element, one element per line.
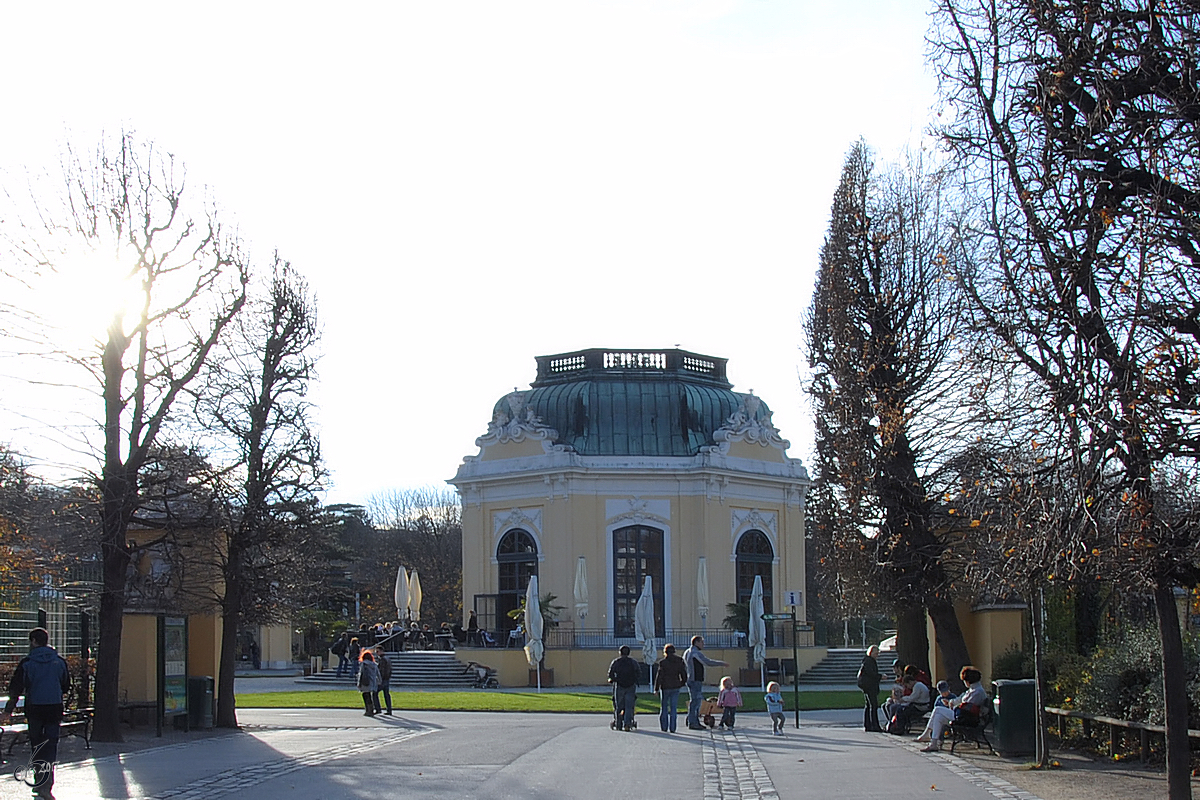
<point>774,702</point>
<point>730,699</point>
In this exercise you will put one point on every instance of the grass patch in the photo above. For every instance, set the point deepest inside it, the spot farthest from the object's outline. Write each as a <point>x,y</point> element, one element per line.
<point>552,702</point>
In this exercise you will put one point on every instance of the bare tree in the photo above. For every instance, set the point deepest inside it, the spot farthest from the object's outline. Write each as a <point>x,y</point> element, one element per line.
<point>420,528</point>
<point>880,334</point>
<point>1076,125</point>
<point>254,399</point>
<point>129,202</point>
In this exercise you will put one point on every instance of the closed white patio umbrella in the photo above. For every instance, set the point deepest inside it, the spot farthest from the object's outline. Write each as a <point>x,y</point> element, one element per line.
<point>643,621</point>
<point>414,596</point>
<point>757,639</point>
<point>533,629</point>
<point>581,590</point>
<point>702,592</point>
<point>401,594</point>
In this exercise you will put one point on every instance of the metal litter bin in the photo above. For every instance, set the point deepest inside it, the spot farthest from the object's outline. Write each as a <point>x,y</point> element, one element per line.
<point>200,691</point>
<point>1016,716</point>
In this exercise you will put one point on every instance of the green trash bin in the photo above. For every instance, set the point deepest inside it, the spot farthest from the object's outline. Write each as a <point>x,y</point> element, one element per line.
<point>200,691</point>
<point>1016,716</point>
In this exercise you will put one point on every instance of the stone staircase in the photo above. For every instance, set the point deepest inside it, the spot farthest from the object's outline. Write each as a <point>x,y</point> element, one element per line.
<point>414,670</point>
<point>838,668</point>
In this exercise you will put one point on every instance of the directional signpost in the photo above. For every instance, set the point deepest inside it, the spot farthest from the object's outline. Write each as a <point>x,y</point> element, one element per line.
<point>795,655</point>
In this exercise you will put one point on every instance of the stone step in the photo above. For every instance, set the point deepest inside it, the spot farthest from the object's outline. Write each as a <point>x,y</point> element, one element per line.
<point>412,669</point>
<point>838,667</point>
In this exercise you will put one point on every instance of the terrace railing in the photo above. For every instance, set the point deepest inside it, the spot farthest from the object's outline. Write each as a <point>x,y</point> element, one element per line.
<point>568,638</point>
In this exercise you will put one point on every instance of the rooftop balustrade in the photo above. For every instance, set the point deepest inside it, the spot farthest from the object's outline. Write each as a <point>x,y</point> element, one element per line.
<point>584,364</point>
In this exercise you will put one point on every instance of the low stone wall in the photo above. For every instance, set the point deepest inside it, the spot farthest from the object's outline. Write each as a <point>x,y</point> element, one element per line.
<point>590,667</point>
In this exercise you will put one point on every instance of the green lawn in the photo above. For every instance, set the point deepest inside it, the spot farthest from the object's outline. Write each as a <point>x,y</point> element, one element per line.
<point>563,702</point>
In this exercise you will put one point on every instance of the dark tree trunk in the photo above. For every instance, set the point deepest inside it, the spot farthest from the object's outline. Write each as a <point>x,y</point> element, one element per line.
<point>1179,781</point>
<point>231,616</point>
<point>912,637</point>
<point>115,559</point>
<point>105,727</point>
<point>950,640</point>
<point>1042,746</point>
<point>226,701</point>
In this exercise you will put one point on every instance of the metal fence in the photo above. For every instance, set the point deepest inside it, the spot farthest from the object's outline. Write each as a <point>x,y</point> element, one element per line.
<point>59,610</point>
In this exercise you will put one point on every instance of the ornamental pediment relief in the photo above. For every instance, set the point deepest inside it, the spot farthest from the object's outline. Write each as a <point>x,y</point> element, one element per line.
<point>528,518</point>
<point>636,511</point>
<point>514,421</point>
<point>749,423</point>
<point>745,519</point>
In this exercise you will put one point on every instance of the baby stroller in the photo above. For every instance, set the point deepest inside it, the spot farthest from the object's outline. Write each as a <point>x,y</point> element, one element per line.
<point>708,711</point>
<point>485,676</point>
<point>612,725</point>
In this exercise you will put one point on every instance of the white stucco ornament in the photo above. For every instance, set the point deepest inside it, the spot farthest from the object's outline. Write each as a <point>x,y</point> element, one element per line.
<point>745,519</point>
<point>638,511</point>
<point>518,422</point>
<point>527,518</point>
<point>744,425</point>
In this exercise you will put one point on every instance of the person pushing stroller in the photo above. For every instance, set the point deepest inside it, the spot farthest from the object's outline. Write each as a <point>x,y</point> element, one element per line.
<point>623,674</point>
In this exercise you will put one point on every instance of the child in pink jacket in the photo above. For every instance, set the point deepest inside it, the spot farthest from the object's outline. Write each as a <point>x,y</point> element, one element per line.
<point>730,699</point>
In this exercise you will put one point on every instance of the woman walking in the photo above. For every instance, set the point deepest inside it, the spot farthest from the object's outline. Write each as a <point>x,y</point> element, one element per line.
<point>868,681</point>
<point>672,676</point>
<point>368,682</point>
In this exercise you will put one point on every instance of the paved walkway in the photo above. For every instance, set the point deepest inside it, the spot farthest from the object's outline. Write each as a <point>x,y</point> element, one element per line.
<point>322,753</point>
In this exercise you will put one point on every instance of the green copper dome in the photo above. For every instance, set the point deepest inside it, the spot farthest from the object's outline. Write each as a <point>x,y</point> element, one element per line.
<point>633,403</point>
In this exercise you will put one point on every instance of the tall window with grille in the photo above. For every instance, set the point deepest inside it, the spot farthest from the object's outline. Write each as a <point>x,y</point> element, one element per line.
<point>637,552</point>
<point>755,556</point>
<point>517,557</point>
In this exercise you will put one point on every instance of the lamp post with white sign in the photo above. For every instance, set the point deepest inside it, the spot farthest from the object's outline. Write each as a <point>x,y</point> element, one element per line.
<point>791,600</point>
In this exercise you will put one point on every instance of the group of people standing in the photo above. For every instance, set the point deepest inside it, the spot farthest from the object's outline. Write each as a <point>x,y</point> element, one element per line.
<point>673,674</point>
<point>370,668</point>
<point>912,698</point>
<point>374,676</point>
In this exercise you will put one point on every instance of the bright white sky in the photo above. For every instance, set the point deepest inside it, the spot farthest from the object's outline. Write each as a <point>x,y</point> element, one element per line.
<point>468,185</point>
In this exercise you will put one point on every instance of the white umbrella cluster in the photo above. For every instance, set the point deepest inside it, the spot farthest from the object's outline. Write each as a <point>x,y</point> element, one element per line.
<point>407,595</point>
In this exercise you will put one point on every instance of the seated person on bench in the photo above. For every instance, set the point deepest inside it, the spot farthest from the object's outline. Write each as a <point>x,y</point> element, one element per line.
<point>964,708</point>
<point>911,705</point>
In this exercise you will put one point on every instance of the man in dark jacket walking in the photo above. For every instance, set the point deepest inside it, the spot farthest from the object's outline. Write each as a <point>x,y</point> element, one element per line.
<point>43,678</point>
<point>385,680</point>
<point>623,672</point>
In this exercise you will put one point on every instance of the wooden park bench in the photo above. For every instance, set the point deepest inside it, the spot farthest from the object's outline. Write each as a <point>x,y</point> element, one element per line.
<point>975,730</point>
<point>75,722</point>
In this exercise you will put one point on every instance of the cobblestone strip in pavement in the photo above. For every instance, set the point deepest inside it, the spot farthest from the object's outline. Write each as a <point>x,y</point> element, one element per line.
<point>996,787</point>
<point>733,770</point>
<point>241,779</point>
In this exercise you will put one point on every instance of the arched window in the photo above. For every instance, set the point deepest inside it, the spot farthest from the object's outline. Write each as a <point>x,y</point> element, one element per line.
<point>637,552</point>
<point>754,557</point>
<point>517,555</point>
